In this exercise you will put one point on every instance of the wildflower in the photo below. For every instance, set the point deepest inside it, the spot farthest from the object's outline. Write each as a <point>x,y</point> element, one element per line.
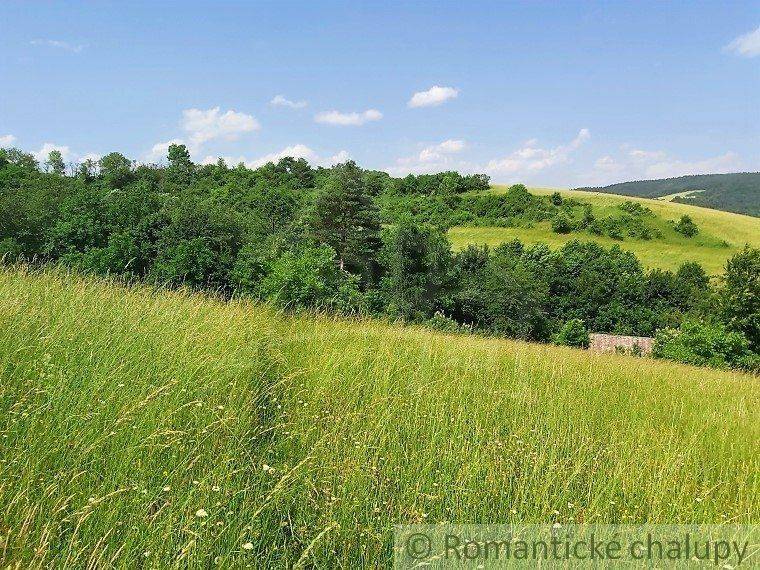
<point>167,489</point>
<point>248,546</point>
<point>215,488</point>
<point>200,513</point>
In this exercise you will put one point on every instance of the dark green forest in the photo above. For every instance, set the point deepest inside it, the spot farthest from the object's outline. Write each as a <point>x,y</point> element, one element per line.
<point>739,192</point>
<point>360,242</point>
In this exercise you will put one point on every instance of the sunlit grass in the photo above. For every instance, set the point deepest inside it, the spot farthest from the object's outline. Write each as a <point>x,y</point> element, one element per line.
<point>670,251</point>
<point>156,428</point>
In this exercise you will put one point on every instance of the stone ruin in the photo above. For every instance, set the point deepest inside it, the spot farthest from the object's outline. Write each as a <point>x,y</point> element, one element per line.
<point>600,342</point>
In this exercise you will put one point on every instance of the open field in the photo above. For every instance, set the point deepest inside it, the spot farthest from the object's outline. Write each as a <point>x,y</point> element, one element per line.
<point>707,248</point>
<point>155,429</point>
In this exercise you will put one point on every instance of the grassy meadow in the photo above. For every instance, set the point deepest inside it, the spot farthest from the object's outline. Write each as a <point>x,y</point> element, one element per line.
<point>722,234</point>
<point>143,428</point>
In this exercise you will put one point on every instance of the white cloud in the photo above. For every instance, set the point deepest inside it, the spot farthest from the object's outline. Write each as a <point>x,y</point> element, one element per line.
<point>348,119</point>
<point>211,124</point>
<point>7,140</point>
<point>67,46</point>
<point>294,151</point>
<point>531,159</point>
<point>339,158</point>
<point>436,152</point>
<point>746,45</point>
<point>47,148</point>
<point>434,96</point>
<point>281,101</point>
<point>727,162</point>
<point>646,154</point>
<point>647,165</point>
<point>95,157</point>
<point>433,158</point>
<point>159,151</point>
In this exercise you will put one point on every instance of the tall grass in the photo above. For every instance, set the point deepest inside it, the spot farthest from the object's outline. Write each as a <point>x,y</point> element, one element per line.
<point>155,429</point>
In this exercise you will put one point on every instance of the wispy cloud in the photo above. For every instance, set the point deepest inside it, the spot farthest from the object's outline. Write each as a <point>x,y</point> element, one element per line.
<point>7,140</point>
<point>433,97</point>
<point>746,45</point>
<point>532,158</point>
<point>282,101</point>
<point>348,119</point>
<point>640,164</point>
<point>59,44</point>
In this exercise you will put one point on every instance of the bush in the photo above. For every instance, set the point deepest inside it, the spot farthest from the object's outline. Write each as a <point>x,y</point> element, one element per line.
<point>704,344</point>
<point>573,333</point>
<point>634,208</point>
<point>562,224</point>
<point>557,199</point>
<point>740,295</point>
<point>252,265</point>
<point>311,279</point>
<point>686,226</point>
<point>441,322</point>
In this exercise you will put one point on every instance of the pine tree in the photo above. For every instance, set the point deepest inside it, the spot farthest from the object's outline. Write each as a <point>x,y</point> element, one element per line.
<point>345,218</point>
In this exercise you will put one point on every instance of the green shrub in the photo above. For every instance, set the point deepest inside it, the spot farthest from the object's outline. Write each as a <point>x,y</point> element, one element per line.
<point>311,279</point>
<point>686,226</point>
<point>562,224</point>
<point>704,344</point>
<point>440,322</point>
<point>573,333</point>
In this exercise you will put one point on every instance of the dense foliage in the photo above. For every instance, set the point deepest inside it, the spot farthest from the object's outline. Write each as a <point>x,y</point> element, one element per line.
<point>313,238</point>
<point>738,192</point>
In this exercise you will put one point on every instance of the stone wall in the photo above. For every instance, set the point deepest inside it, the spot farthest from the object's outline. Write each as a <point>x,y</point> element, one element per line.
<point>599,342</point>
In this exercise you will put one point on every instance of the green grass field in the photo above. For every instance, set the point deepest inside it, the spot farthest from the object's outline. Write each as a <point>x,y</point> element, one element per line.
<point>707,248</point>
<point>156,429</point>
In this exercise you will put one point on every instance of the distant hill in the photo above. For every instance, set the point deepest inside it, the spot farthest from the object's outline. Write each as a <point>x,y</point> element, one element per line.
<point>739,192</point>
<point>721,234</point>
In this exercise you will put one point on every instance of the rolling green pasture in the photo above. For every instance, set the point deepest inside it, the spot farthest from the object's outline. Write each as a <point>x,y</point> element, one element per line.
<point>143,428</point>
<point>721,233</point>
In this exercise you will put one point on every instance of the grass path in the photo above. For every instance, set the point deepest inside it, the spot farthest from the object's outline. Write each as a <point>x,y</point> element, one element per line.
<point>159,429</point>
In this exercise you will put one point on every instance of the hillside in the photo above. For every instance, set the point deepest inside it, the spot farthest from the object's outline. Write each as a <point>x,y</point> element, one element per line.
<point>143,428</point>
<point>721,234</point>
<point>738,192</point>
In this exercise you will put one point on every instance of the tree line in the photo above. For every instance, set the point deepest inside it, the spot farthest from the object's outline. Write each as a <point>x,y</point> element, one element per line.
<point>359,241</point>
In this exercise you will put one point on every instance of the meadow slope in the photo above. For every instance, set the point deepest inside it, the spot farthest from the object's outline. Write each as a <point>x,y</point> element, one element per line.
<point>149,428</point>
<point>707,248</point>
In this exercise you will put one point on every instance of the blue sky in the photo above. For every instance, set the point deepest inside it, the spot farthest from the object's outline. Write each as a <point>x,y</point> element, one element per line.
<point>562,94</point>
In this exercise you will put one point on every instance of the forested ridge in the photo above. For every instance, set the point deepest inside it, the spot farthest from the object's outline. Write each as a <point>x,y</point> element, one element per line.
<point>738,192</point>
<point>351,240</point>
